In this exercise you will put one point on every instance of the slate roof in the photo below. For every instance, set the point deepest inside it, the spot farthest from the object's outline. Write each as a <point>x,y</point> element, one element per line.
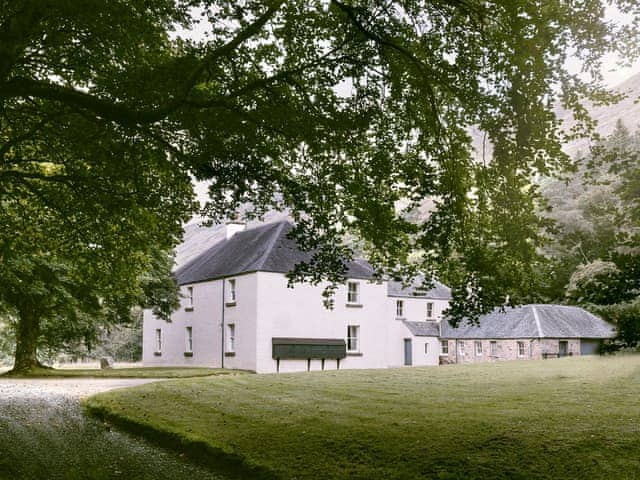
<point>423,329</point>
<point>533,321</point>
<point>438,292</point>
<point>262,249</point>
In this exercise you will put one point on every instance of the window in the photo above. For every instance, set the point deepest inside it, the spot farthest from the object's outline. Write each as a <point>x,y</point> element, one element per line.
<point>188,339</point>
<point>461,349</point>
<point>232,291</point>
<point>521,349</point>
<point>353,341</point>
<point>399,308</point>
<point>231,338</point>
<point>494,348</point>
<point>426,349</point>
<point>353,292</point>
<point>478,347</point>
<point>444,347</point>
<point>189,297</point>
<point>158,340</point>
<point>429,309</point>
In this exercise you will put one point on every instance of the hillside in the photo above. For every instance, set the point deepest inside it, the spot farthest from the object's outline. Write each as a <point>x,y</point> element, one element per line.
<point>627,110</point>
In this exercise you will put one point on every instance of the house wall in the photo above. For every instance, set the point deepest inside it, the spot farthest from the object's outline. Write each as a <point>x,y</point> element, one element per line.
<point>507,349</point>
<point>205,319</point>
<point>414,310</point>
<point>299,312</point>
<point>243,314</point>
<point>265,308</point>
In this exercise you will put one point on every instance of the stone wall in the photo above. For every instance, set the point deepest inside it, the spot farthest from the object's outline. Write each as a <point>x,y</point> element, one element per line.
<point>505,349</point>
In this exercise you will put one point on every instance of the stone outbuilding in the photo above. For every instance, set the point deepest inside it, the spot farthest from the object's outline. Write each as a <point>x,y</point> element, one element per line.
<point>526,332</point>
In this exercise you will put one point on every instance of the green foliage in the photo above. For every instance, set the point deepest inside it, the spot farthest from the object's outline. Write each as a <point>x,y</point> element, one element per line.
<point>7,341</point>
<point>335,111</point>
<point>596,253</point>
<point>626,318</point>
<point>593,282</point>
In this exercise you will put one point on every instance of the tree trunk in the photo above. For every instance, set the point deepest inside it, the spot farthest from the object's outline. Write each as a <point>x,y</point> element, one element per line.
<point>27,335</point>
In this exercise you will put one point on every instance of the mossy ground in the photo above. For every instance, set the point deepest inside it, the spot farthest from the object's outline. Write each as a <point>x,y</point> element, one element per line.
<point>566,418</point>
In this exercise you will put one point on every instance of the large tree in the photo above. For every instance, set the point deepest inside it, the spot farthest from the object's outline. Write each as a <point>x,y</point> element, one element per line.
<point>337,111</point>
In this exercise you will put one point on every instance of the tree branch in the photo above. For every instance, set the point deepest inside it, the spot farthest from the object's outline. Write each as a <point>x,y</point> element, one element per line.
<point>120,112</point>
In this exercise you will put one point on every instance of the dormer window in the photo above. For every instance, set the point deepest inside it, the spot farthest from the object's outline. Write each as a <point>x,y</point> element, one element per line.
<point>429,310</point>
<point>353,292</point>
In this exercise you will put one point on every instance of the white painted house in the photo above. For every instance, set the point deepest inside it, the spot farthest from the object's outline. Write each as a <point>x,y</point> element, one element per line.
<point>238,312</point>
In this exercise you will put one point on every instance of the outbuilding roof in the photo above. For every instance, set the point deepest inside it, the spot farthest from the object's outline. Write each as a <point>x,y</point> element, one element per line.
<point>423,329</point>
<point>532,321</point>
<point>415,289</point>
<point>266,248</point>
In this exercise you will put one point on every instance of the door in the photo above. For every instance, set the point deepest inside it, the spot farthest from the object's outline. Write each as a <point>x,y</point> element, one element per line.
<point>589,347</point>
<point>408,355</point>
<point>563,349</point>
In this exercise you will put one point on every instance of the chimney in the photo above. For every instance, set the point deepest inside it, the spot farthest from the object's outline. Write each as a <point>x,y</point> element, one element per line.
<point>233,227</point>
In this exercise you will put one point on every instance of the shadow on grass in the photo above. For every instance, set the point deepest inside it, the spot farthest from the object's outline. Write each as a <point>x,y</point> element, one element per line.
<point>221,461</point>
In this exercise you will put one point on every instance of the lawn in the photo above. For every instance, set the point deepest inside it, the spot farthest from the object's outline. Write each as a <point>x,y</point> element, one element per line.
<point>566,418</point>
<point>136,372</point>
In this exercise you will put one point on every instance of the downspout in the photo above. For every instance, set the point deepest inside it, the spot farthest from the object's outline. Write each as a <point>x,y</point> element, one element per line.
<point>222,327</point>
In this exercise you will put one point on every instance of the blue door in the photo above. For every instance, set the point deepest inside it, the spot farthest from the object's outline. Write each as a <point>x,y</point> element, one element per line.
<point>408,356</point>
<point>563,348</point>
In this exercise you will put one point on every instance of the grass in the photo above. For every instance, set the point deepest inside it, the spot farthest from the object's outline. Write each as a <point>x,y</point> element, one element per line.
<point>136,372</point>
<point>566,418</point>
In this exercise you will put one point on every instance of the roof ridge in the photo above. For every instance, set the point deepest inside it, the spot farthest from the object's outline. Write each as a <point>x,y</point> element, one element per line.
<point>272,242</point>
<point>537,319</point>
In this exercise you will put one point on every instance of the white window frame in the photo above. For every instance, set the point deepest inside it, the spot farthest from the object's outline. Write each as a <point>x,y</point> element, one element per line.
<point>158,340</point>
<point>399,308</point>
<point>233,294</point>
<point>429,310</point>
<point>444,347</point>
<point>426,348</point>
<point>353,341</point>
<point>493,348</point>
<point>231,337</point>
<point>461,348</point>
<point>188,339</point>
<point>189,297</point>
<point>518,345</point>
<point>477,348</point>
<point>353,295</point>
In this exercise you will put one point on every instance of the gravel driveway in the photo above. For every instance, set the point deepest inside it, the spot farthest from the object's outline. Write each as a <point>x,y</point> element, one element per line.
<point>44,435</point>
